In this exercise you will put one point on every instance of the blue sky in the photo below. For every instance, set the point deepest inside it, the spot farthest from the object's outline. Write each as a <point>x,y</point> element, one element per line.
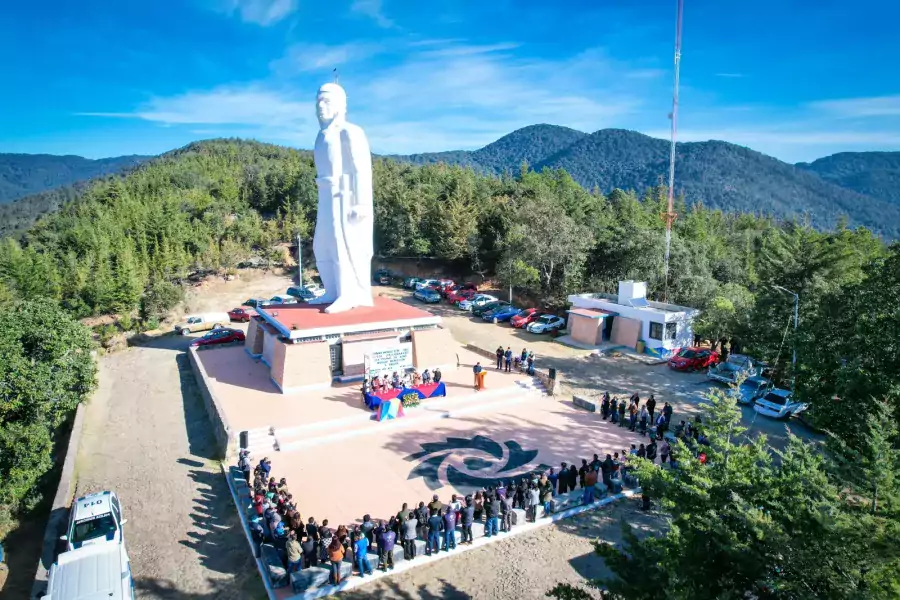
<point>794,79</point>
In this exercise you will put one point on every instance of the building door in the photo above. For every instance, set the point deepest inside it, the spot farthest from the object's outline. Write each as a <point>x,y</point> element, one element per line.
<point>336,358</point>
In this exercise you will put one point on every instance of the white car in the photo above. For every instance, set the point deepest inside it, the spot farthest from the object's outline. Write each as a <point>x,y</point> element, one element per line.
<point>779,404</point>
<point>95,519</point>
<point>283,299</point>
<point>736,367</point>
<point>315,289</point>
<point>91,572</point>
<point>421,285</point>
<point>477,300</point>
<point>546,324</point>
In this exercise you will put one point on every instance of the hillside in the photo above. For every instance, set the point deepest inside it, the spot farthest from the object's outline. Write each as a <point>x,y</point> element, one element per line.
<point>26,174</point>
<point>719,174</point>
<point>875,174</point>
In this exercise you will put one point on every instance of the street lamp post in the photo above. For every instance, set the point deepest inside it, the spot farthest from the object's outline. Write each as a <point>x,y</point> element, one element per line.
<point>796,322</point>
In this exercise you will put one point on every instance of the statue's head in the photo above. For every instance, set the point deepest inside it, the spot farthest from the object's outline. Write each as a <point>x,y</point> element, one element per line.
<point>331,104</point>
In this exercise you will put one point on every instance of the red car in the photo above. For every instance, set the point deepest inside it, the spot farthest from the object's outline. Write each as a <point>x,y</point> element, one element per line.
<point>220,336</point>
<point>459,296</point>
<point>692,359</point>
<point>525,317</point>
<point>241,315</point>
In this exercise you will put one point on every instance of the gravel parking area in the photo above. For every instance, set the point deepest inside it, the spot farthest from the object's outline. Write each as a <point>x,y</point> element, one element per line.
<point>147,436</point>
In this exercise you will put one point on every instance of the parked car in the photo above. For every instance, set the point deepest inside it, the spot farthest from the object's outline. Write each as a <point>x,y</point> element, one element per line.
<point>525,316</point>
<point>546,324</point>
<point>283,299</point>
<point>693,359</point>
<point>241,315</point>
<point>382,277</point>
<point>490,306</point>
<point>315,289</point>
<point>220,336</point>
<point>427,295</point>
<point>300,293</point>
<point>751,389</point>
<point>91,572</point>
<point>460,295</point>
<point>202,322</point>
<point>447,291</point>
<point>503,313</point>
<point>257,302</point>
<point>737,366</point>
<point>410,282</point>
<point>476,300</point>
<point>779,404</point>
<point>94,520</point>
<point>426,283</point>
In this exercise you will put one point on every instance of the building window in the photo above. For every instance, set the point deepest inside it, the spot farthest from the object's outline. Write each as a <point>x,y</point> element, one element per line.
<point>671,331</point>
<point>656,331</point>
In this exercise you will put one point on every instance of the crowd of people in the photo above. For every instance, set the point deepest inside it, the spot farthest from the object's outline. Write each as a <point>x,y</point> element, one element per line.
<point>304,543</point>
<point>398,381</point>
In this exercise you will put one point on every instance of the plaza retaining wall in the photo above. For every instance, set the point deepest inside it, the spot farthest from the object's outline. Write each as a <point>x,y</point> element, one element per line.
<point>226,437</point>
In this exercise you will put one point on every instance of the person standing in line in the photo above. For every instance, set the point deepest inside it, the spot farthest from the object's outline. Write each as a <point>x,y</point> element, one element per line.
<point>294,553</point>
<point>360,552</point>
<point>508,358</point>
<point>642,452</point>
<point>582,471</point>
<point>534,499</point>
<point>409,536</point>
<point>468,517</point>
<point>386,549</point>
<point>493,514</point>
<point>573,477</point>
<point>590,481</point>
<point>632,416</point>
<point>437,375</point>
<point>643,416</point>
<point>435,523</point>
<point>651,406</point>
<point>552,478</point>
<point>664,452</point>
<point>449,529</point>
<point>367,528</point>
<point>667,412</point>
<point>547,498</point>
<point>499,354</point>
<point>604,406</point>
<point>422,521</point>
<point>507,514</point>
<point>335,557</point>
<point>622,413</point>
<point>614,411</point>
<point>635,398</point>
<point>310,552</point>
<point>562,484</point>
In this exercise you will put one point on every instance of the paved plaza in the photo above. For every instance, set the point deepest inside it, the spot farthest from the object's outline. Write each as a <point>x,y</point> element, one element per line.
<point>341,464</point>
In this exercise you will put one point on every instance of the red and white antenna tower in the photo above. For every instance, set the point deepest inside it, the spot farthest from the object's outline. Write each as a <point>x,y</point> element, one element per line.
<point>669,216</point>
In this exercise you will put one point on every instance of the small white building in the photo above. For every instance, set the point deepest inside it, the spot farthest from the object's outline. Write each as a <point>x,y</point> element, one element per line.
<point>625,319</point>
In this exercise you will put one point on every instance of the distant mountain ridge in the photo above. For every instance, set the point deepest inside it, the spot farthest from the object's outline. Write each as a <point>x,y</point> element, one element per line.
<point>875,174</point>
<point>719,174</point>
<point>27,174</point>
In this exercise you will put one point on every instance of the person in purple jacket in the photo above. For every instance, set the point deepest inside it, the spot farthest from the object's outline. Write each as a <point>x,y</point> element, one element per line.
<point>449,529</point>
<point>386,549</point>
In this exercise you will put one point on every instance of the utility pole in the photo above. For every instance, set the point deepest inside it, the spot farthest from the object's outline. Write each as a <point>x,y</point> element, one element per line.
<point>669,216</point>
<point>796,323</point>
<point>299,262</point>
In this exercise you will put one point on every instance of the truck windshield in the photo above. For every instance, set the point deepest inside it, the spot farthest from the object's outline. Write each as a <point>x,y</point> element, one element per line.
<point>94,527</point>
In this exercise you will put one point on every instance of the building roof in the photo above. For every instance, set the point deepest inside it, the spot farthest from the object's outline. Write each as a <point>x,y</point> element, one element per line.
<point>298,321</point>
<point>592,313</point>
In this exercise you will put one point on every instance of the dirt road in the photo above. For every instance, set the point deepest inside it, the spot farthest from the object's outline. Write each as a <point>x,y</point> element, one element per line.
<point>147,436</point>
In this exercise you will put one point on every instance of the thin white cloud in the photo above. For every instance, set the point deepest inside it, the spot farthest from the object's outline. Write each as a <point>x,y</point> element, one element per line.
<point>730,75</point>
<point>469,50</point>
<point>260,12</point>
<point>301,58</point>
<point>372,9</point>
<point>851,108</point>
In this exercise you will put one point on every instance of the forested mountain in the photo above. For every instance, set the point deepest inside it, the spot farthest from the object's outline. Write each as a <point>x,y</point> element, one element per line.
<point>27,174</point>
<point>875,174</point>
<point>718,174</point>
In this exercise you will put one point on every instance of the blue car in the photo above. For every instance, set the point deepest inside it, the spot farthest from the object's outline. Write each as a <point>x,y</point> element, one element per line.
<point>427,295</point>
<point>502,313</point>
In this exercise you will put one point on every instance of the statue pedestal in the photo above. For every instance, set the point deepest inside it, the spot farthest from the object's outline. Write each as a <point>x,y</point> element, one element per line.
<point>306,348</point>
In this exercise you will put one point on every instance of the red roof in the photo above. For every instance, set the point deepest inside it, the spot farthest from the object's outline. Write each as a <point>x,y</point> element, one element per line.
<point>313,316</point>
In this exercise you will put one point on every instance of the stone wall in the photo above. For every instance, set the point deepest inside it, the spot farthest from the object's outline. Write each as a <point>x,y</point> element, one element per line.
<point>226,437</point>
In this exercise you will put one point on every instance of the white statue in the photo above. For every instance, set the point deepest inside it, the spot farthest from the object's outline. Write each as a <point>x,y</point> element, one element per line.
<point>343,239</point>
